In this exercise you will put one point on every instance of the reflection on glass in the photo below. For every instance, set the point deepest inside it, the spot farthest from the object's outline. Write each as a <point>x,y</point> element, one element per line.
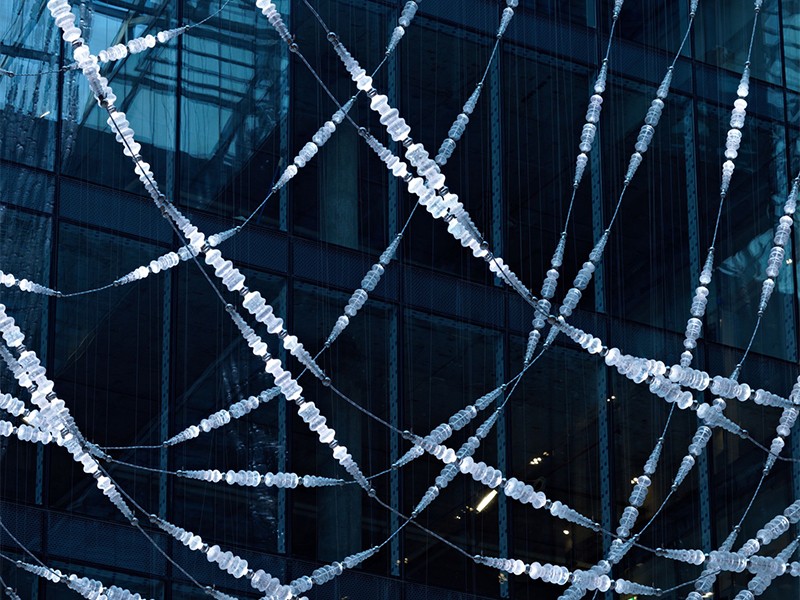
<point>145,87</point>
<point>212,110</point>
<point>28,102</point>
<point>234,73</point>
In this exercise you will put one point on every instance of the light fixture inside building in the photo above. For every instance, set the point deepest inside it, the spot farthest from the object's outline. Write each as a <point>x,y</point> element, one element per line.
<point>486,500</point>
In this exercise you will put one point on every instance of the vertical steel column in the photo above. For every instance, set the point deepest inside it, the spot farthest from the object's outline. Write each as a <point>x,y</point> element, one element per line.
<point>394,445</point>
<point>605,462</point>
<point>791,328</point>
<point>284,128</point>
<point>784,178</point>
<point>791,347</point>
<point>502,504</point>
<point>690,153</point>
<point>495,129</point>
<point>166,336</point>
<point>43,356</point>
<point>597,222</point>
<point>393,213</point>
<point>284,6</point>
<point>283,439</point>
<point>48,344</point>
<point>694,263</point>
<point>167,544</point>
<point>603,391</point>
<point>691,191</point>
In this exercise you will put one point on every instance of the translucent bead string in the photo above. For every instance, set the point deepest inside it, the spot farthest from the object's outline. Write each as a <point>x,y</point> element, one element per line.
<point>254,478</point>
<point>464,229</point>
<point>325,574</point>
<point>589,580</point>
<point>250,478</point>
<point>429,185</point>
<point>253,302</point>
<point>227,561</point>
<point>65,20</point>
<point>488,475</point>
<point>9,280</point>
<point>456,422</point>
<point>120,51</point>
<point>588,133</point>
<point>52,420</point>
<point>137,45</point>
<point>24,433</point>
<point>514,488</point>
<point>460,124</point>
<point>290,480</point>
<point>88,588</point>
<point>645,137</point>
<point>260,580</point>
<point>452,459</point>
<point>223,417</point>
<point>399,168</point>
<point>767,569</point>
<point>730,386</point>
<point>13,406</point>
<point>432,442</point>
<point>652,373</point>
<point>493,478</point>
<point>234,281</point>
<point>732,144</point>
<point>8,590</point>
<point>584,277</point>
<point>724,559</point>
<point>125,135</point>
<point>771,400</point>
<point>642,370</point>
<point>310,149</point>
<point>494,474</point>
<point>360,295</point>
<point>172,259</point>
<point>713,414</point>
<point>245,478</point>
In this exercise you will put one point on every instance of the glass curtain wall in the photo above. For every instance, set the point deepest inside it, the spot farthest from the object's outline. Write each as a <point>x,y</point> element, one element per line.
<point>220,112</point>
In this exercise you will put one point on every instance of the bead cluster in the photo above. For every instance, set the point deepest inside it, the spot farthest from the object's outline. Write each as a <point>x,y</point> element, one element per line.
<point>88,588</point>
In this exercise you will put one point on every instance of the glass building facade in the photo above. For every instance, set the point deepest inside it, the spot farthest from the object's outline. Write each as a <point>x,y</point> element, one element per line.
<point>220,111</point>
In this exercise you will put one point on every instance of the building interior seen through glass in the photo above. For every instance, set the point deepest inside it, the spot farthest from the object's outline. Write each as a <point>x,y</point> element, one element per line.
<point>372,299</point>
